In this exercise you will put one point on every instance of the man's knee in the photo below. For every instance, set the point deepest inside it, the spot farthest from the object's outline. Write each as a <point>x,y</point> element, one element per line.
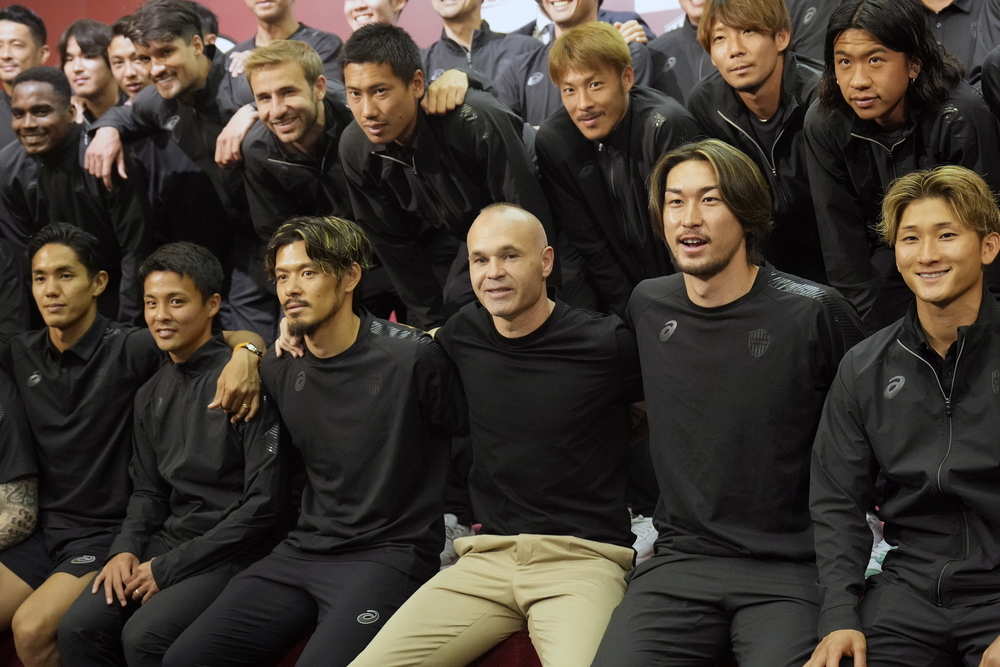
<point>142,641</point>
<point>34,628</point>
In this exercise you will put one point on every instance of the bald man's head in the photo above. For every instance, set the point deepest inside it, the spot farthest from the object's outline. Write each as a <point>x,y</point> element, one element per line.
<point>509,260</point>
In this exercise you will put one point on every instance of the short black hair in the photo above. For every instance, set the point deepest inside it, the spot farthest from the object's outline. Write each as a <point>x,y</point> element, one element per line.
<point>84,244</point>
<point>165,21</point>
<point>333,243</point>
<point>123,27</point>
<point>209,21</point>
<point>91,36</point>
<point>50,75</point>
<point>187,259</point>
<point>379,43</point>
<point>24,16</point>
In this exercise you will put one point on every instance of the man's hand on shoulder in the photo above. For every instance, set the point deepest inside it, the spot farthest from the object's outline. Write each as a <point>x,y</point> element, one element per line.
<point>227,146</point>
<point>446,93</point>
<point>293,345</point>
<point>838,644</point>
<point>104,153</point>
<point>632,31</point>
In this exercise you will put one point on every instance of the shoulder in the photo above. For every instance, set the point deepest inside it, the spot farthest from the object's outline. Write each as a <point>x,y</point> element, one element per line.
<point>16,158</point>
<point>321,40</point>
<point>354,145</point>
<point>805,293</point>
<point>832,125</point>
<point>963,101</point>
<point>871,352</point>
<point>659,110</point>
<point>258,144</point>
<point>648,292</point>
<point>245,45</point>
<point>556,130</point>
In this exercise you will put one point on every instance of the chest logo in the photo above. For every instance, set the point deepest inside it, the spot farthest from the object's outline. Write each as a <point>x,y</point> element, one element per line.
<point>895,384</point>
<point>34,379</point>
<point>368,617</point>
<point>300,381</point>
<point>996,382</point>
<point>759,340</point>
<point>668,330</point>
<point>373,383</point>
<point>436,74</point>
<point>535,78</point>
<point>810,14</point>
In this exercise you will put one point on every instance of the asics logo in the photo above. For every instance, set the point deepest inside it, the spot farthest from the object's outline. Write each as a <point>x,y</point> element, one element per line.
<point>895,384</point>
<point>535,78</point>
<point>368,617</point>
<point>668,330</point>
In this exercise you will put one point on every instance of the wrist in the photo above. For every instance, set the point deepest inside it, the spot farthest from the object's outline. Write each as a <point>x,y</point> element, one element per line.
<point>251,348</point>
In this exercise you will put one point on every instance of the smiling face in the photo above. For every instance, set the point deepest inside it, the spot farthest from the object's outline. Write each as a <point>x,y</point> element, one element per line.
<point>700,229</point>
<point>129,65</point>
<point>18,52</point>
<point>747,58</point>
<point>40,119</point>
<point>873,78</point>
<point>455,9</point>
<point>693,9</point>
<point>568,14</point>
<point>509,261</point>
<point>179,318</point>
<point>940,257</point>
<point>385,106</point>
<point>176,66</point>
<point>287,104</point>
<point>65,294</point>
<point>363,12</point>
<point>596,100</point>
<point>89,75</point>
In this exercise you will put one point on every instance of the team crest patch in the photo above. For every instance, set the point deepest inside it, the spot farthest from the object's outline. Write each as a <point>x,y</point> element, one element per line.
<point>83,560</point>
<point>373,382</point>
<point>759,340</point>
<point>996,382</point>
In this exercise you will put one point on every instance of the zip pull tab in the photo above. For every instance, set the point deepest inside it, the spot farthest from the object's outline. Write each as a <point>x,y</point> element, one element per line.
<point>947,407</point>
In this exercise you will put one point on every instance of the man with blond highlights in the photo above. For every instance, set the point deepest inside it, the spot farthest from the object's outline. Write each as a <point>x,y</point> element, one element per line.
<point>292,166</point>
<point>548,478</point>
<point>595,155</point>
<point>736,361</point>
<point>757,101</point>
<point>917,404</point>
<point>371,406</point>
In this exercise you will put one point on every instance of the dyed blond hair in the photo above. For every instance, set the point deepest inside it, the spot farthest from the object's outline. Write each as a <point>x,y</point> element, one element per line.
<point>282,51</point>
<point>962,189</point>
<point>589,47</point>
<point>333,243</point>
<point>767,16</point>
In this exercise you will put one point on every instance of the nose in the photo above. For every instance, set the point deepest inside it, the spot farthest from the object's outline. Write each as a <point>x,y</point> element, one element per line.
<point>495,269</point>
<point>368,107</point>
<point>928,252</point>
<point>859,77</point>
<point>76,64</point>
<point>29,120</point>
<point>278,106</point>
<point>584,99</point>
<point>130,69</point>
<point>291,286</point>
<point>6,51</point>
<point>736,46</point>
<point>156,68</point>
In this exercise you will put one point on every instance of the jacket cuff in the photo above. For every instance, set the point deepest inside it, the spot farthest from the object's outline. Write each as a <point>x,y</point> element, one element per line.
<point>844,617</point>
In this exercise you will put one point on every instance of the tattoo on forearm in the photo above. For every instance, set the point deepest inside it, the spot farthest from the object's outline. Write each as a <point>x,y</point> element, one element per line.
<point>18,510</point>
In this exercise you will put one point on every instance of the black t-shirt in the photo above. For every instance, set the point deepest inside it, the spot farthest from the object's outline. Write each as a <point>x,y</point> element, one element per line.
<point>733,396</point>
<point>766,131</point>
<point>79,407</point>
<point>374,426</point>
<point>17,453</point>
<point>549,420</point>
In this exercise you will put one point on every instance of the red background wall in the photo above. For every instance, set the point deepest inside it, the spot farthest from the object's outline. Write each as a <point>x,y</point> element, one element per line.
<point>236,21</point>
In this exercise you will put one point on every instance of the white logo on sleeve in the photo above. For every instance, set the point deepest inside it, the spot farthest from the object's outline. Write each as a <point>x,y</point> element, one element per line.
<point>535,78</point>
<point>34,379</point>
<point>368,617</point>
<point>83,560</point>
<point>895,384</point>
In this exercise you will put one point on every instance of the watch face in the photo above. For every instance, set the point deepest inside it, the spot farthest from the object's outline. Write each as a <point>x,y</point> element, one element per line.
<point>253,348</point>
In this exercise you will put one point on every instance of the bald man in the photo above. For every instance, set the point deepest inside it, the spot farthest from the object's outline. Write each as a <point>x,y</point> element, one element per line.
<point>549,389</point>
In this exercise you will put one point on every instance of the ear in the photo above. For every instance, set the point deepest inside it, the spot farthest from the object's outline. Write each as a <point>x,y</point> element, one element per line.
<point>990,246</point>
<point>99,283</point>
<point>548,261</point>
<point>913,67</point>
<point>418,84</point>
<point>320,88</point>
<point>782,39</point>
<point>43,54</point>
<point>198,43</point>
<point>628,78</point>
<point>214,303</point>
<point>397,7</point>
<point>351,277</point>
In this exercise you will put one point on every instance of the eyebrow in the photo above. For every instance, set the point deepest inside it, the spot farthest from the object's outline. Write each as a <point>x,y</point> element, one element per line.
<point>877,49</point>
<point>65,267</point>
<point>936,225</point>
<point>701,191</point>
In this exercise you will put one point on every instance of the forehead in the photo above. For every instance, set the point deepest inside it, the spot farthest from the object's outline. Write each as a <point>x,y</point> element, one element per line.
<point>160,282</point>
<point>357,75</point>
<point>121,46</point>
<point>10,30</point>
<point>857,40</point>
<point>292,254</point>
<point>53,255</point>
<point>177,43</point>
<point>31,93</point>
<point>493,232</point>
<point>929,211</point>
<point>691,174</point>
<point>602,71</point>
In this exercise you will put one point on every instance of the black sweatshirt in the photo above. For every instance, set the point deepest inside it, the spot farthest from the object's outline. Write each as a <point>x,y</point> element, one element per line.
<point>205,491</point>
<point>373,425</point>
<point>733,397</point>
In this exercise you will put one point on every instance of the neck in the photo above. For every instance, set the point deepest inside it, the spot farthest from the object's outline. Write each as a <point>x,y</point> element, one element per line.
<point>336,334</point>
<point>560,29</point>
<point>183,355</point>
<point>525,322</point>
<point>461,28</point>
<point>63,339</point>
<point>282,28</point>
<point>8,89</point>
<point>204,67</point>
<point>763,102</point>
<point>941,323</point>
<point>724,287</point>
<point>936,5</point>
<point>102,101</point>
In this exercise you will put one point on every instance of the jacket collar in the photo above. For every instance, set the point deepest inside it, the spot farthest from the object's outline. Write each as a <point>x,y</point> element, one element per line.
<point>85,347</point>
<point>912,334</point>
